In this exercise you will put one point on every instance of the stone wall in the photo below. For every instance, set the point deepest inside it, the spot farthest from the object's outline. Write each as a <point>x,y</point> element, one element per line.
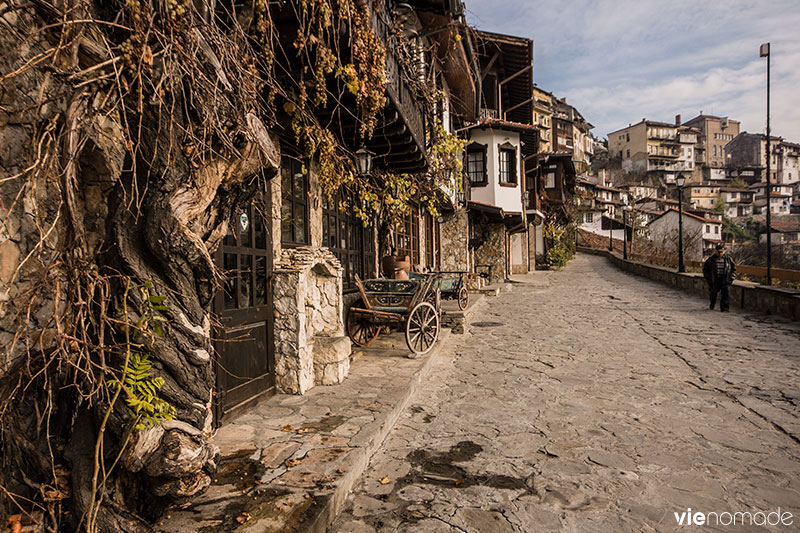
<point>744,295</point>
<point>492,252</point>
<point>455,241</point>
<point>310,345</point>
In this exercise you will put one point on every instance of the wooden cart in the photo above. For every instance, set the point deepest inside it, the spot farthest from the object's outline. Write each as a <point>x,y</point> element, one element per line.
<point>453,286</point>
<point>413,303</point>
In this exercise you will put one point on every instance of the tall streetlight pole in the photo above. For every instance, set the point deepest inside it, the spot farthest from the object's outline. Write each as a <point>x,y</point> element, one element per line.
<point>610,234</point>
<point>679,181</point>
<point>764,52</point>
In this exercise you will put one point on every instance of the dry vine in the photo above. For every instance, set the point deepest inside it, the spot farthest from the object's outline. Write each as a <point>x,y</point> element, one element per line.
<point>131,129</point>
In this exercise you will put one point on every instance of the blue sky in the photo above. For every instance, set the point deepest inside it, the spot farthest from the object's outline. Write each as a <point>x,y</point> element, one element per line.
<point>619,61</point>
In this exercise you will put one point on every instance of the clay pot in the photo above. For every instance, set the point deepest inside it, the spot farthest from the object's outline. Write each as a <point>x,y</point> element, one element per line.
<point>396,267</point>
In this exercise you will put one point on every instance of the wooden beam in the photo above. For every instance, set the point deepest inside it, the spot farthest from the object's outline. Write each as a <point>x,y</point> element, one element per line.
<point>489,65</point>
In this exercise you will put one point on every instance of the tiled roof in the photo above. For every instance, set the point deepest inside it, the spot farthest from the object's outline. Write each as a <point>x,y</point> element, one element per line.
<point>691,215</point>
<point>785,227</point>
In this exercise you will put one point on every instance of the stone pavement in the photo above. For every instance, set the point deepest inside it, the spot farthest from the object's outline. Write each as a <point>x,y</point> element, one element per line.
<point>288,463</point>
<point>591,400</point>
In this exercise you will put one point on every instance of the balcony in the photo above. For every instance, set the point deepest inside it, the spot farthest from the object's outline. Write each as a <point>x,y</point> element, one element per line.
<point>487,114</point>
<point>399,140</point>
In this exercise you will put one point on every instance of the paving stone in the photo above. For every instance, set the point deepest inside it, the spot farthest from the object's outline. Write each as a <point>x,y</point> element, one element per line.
<point>596,413</point>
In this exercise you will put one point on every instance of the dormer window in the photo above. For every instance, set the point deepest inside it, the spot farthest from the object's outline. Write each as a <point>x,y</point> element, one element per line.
<point>508,164</point>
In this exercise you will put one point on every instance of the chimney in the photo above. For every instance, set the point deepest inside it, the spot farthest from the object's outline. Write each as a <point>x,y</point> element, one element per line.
<point>677,120</point>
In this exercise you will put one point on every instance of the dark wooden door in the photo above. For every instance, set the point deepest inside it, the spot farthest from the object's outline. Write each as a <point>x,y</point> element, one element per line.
<point>246,363</point>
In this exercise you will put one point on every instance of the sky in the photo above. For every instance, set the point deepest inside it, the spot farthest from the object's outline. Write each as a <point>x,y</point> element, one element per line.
<point>619,61</point>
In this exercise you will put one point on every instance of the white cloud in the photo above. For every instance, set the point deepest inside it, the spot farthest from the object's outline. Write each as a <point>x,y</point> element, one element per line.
<point>620,61</point>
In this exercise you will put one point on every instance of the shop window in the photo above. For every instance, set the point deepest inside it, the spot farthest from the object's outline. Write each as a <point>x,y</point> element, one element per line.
<point>408,236</point>
<point>432,241</point>
<point>352,243</point>
<point>294,211</point>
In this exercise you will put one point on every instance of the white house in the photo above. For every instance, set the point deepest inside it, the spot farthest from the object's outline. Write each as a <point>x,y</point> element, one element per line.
<point>496,178</point>
<point>699,234</point>
<point>780,198</point>
<point>738,201</point>
<point>783,233</point>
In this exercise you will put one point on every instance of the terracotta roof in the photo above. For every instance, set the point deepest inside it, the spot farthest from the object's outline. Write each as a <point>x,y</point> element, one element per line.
<point>785,227</point>
<point>701,219</point>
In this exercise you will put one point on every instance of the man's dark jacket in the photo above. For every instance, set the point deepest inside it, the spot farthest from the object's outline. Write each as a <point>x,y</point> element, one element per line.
<point>710,270</point>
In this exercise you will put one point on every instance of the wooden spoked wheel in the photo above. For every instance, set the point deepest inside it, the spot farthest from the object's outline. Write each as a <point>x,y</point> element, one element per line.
<point>422,328</point>
<point>361,330</point>
<point>463,298</point>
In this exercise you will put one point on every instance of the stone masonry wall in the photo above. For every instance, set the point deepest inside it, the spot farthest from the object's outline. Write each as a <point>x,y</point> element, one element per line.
<point>454,230</point>
<point>310,345</point>
<point>493,252</point>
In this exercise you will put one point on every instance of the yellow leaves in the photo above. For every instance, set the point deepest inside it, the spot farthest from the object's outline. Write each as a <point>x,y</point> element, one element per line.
<point>385,480</point>
<point>242,518</point>
<point>348,74</point>
<point>292,462</point>
<point>287,427</point>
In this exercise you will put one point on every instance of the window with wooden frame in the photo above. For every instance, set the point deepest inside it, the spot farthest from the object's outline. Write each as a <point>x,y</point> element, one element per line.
<point>476,164</point>
<point>432,241</point>
<point>408,236</point>
<point>507,169</point>
<point>294,210</point>
<point>345,235</point>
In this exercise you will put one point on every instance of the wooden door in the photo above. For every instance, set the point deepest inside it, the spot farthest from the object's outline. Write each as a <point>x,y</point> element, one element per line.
<point>245,347</point>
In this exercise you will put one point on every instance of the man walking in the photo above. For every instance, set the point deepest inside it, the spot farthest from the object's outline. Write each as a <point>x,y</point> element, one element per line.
<point>719,271</point>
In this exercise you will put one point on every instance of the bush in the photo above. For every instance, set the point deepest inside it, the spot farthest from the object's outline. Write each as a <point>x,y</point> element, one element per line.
<point>562,245</point>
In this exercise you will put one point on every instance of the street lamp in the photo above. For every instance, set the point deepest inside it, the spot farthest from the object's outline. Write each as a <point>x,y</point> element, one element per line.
<point>364,160</point>
<point>764,52</point>
<point>625,211</point>
<point>679,181</point>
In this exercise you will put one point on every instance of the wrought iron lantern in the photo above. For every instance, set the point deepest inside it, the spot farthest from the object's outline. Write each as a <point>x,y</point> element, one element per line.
<point>364,161</point>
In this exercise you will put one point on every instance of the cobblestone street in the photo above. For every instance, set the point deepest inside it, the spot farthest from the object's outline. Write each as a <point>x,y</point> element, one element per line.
<point>591,400</point>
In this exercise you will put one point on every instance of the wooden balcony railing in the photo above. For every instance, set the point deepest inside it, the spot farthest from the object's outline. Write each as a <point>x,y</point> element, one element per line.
<point>400,95</point>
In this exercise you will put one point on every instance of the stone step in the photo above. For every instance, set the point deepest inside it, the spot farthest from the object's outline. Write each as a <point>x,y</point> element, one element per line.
<point>458,320</point>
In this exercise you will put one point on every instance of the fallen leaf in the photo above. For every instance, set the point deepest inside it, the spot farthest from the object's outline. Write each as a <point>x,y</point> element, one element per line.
<point>339,471</point>
<point>385,480</point>
<point>292,462</point>
<point>242,518</point>
<point>459,482</point>
<point>287,427</point>
<point>303,430</point>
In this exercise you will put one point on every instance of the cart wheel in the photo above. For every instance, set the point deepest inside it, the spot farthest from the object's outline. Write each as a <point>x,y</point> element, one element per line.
<point>360,330</point>
<point>463,298</point>
<point>422,328</point>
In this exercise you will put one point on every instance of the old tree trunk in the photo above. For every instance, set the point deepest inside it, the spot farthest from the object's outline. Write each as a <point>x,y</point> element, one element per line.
<point>124,146</point>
